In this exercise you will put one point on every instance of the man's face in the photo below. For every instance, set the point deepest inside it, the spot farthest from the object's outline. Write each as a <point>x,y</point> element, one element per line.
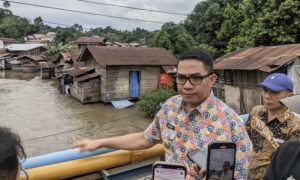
<point>193,95</point>
<point>226,166</point>
<point>271,98</point>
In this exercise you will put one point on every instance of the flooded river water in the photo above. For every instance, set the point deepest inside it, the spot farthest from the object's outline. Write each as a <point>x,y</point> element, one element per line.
<point>48,121</point>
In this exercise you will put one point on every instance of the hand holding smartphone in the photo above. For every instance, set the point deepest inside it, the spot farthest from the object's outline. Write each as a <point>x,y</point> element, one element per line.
<point>221,161</point>
<point>168,171</point>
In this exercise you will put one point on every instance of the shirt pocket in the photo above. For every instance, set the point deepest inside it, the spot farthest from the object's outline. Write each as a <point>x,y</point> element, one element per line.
<point>170,134</point>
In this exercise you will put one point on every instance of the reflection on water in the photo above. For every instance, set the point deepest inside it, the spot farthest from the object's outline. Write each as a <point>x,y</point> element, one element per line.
<point>48,121</point>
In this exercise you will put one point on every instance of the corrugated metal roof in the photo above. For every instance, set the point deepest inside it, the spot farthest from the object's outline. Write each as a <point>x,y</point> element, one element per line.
<point>35,58</point>
<point>266,58</point>
<point>46,65</point>
<point>74,72</point>
<point>129,56</point>
<point>8,40</point>
<point>75,55</point>
<point>87,77</point>
<point>5,55</point>
<point>23,47</point>
<point>87,40</point>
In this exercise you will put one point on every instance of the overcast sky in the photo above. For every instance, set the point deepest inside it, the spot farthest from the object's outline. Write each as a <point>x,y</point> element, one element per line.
<point>88,21</point>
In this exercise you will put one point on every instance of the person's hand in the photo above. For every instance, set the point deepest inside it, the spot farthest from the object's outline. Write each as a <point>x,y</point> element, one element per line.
<point>86,145</point>
<point>195,168</point>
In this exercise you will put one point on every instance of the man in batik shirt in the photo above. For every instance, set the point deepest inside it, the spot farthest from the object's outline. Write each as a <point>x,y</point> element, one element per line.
<point>189,121</point>
<point>271,124</point>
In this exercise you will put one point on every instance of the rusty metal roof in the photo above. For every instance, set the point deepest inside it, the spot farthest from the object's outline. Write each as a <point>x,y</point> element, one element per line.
<point>75,55</point>
<point>110,56</point>
<point>33,57</point>
<point>8,40</point>
<point>47,65</point>
<point>90,40</point>
<point>87,77</point>
<point>266,58</point>
<point>5,55</point>
<point>74,72</point>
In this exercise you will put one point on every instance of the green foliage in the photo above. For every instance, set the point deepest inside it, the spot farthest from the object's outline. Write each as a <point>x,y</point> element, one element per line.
<point>257,22</point>
<point>55,48</point>
<point>174,38</point>
<point>150,104</point>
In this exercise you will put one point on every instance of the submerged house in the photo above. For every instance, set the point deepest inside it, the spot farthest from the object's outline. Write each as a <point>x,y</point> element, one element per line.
<point>47,70</point>
<point>66,60</point>
<point>6,41</point>
<point>5,58</point>
<point>245,68</point>
<point>82,83</point>
<point>26,49</point>
<point>29,63</point>
<point>127,73</point>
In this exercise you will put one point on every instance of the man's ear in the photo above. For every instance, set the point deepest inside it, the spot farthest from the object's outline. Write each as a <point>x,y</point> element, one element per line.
<point>290,94</point>
<point>212,79</point>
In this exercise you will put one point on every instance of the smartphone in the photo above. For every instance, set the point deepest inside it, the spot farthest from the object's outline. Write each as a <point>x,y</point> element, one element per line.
<point>198,158</point>
<point>168,171</point>
<point>221,161</point>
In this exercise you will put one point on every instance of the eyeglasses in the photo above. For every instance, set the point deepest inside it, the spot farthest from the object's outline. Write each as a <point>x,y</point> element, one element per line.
<point>193,79</point>
<point>24,173</point>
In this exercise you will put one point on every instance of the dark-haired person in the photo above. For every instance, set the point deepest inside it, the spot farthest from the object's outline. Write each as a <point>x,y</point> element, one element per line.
<point>283,166</point>
<point>11,151</point>
<point>270,124</point>
<point>188,121</point>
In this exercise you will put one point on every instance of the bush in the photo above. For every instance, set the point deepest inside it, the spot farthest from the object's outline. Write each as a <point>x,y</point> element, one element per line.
<point>150,104</point>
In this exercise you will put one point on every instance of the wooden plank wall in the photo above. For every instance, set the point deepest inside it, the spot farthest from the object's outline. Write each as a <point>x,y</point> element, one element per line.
<point>117,80</point>
<point>91,62</point>
<point>149,79</point>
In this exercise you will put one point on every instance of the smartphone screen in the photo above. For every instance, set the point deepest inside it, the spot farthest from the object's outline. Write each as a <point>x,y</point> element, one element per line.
<point>198,158</point>
<point>221,162</point>
<point>162,172</point>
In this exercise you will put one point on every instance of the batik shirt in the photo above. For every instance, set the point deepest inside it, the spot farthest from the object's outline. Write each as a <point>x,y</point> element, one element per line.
<point>264,147</point>
<point>181,132</point>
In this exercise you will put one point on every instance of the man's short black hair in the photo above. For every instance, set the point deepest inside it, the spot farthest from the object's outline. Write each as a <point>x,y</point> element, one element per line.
<point>227,162</point>
<point>200,55</point>
<point>11,151</point>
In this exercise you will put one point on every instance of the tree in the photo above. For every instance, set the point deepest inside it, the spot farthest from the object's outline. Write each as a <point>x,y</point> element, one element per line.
<point>174,38</point>
<point>258,22</point>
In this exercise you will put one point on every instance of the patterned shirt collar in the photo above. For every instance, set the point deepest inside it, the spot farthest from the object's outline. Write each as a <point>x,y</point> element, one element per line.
<point>282,117</point>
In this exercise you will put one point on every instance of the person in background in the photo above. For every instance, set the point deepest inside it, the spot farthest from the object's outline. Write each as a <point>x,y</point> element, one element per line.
<point>188,121</point>
<point>11,151</point>
<point>227,173</point>
<point>270,124</point>
<point>283,166</point>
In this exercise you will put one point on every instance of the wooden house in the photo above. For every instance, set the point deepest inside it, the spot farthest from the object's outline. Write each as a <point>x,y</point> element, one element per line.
<point>6,41</point>
<point>66,60</point>
<point>82,83</point>
<point>47,70</point>
<point>82,42</point>
<point>26,49</point>
<point>245,68</point>
<point>29,63</point>
<point>127,73</point>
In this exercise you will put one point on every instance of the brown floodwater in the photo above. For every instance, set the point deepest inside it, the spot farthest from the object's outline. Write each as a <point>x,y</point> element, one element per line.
<point>48,121</point>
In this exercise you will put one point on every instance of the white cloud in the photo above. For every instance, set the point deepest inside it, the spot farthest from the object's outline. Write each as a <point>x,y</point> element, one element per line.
<point>70,18</point>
